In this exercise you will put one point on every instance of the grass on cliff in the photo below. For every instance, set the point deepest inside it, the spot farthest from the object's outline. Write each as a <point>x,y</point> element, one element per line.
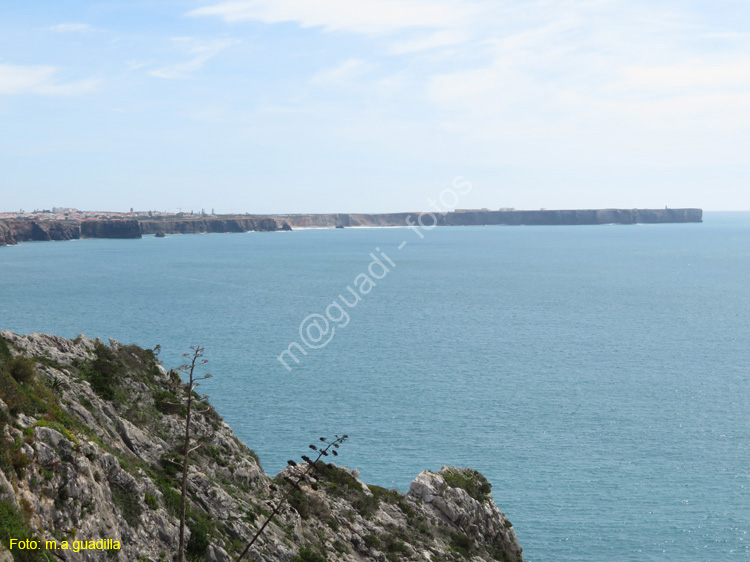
<point>26,393</point>
<point>307,554</point>
<point>14,526</point>
<point>5,354</point>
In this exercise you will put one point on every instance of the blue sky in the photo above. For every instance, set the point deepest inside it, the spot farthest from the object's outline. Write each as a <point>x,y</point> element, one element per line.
<point>373,105</point>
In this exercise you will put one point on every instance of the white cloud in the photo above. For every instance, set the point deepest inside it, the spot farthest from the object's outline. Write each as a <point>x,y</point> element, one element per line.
<point>434,40</point>
<point>71,27</point>
<point>42,80</point>
<point>135,64</point>
<point>359,16</point>
<point>340,74</point>
<point>201,51</point>
<point>689,74</point>
<point>619,79</point>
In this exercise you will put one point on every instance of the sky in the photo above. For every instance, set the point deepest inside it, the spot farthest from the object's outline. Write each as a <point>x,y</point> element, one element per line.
<point>286,106</point>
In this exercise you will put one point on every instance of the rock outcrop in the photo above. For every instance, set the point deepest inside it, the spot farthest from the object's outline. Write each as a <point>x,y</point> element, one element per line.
<point>24,230</point>
<point>90,449</point>
<point>212,225</point>
<point>120,228</point>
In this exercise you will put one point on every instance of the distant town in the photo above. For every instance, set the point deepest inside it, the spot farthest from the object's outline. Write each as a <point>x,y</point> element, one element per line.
<point>72,214</point>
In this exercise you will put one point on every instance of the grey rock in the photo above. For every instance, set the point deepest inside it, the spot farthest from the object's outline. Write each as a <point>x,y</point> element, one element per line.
<point>107,476</point>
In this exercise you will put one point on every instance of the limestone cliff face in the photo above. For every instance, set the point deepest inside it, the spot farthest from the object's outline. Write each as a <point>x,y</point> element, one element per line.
<point>574,217</point>
<point>511,218</point>
<point>15,231</point>
<point>221,225</point>
<point>121,228</point>
<point>472,218</point>
<point>90,441</point>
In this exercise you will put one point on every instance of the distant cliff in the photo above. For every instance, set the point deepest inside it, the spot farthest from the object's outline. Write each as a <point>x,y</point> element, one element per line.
<point>24,230</point>
<point>206,225</point>
<point>575,217</point>
<point>482,218</point>
<point>467,218</point>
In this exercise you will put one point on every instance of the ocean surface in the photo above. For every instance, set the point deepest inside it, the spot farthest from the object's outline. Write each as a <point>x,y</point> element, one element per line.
<point>599,376</point>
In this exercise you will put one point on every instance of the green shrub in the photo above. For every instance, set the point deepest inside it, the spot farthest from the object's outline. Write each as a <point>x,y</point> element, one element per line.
<point>49,362</point>
<point>462,544</point>
<point>13,526</point>
<point>18,460</point>
<point>151,501</point>
<point>470,480</point>
<point>385,495</point>
<point>128,504</point>
<point>22,369</point>
<point>340,482</point>
<point>338,546</point>
<point>4,351</point>
<point>366,506</point>
<point>63,494</point>
<point>306,554</point>
<point>171,463</point>
<point>168,403</point>
<point>217,454</point>
<point>392,543</point>
<point>308,505</point>
<point>103,372</point>
<point>197,545</point>
<point>171,498</point>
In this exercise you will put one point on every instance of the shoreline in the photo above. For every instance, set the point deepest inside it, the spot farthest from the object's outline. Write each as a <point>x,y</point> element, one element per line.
<point>15,230</point>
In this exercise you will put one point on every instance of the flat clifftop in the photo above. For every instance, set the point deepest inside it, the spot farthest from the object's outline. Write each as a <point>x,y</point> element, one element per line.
<point>484,217</point>
<point>91,437</point>
<point>13,231</point>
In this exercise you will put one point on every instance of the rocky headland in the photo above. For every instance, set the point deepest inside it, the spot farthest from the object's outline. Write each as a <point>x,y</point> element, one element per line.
<point>487,217</point>
<point>91,438</point>
<point>22,230</point>
<point>215,225</point>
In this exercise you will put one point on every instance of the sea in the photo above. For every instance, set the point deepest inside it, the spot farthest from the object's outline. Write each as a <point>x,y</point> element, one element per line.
<point>598,376</point>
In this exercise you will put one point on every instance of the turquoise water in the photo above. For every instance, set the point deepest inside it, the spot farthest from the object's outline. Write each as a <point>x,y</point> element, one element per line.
<point>597,375</point>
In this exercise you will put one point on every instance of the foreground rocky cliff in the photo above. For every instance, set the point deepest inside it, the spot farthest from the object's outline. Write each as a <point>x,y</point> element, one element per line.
<point>90,443</point>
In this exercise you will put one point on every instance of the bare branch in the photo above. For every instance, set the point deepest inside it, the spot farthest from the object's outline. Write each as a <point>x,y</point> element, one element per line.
<point>295,485</point>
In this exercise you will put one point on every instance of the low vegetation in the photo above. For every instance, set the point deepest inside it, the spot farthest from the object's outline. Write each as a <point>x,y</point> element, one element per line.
<point>315,511</point>
<point>470,480</point>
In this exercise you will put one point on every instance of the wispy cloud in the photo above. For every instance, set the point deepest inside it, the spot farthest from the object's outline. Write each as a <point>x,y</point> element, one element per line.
<point>340,74</point>
<point>360,16</point>
<point>41,80</point>
<point>690,74</point>
<point>432,41</point>
<point>200,51</point>
<point>71,27</point>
